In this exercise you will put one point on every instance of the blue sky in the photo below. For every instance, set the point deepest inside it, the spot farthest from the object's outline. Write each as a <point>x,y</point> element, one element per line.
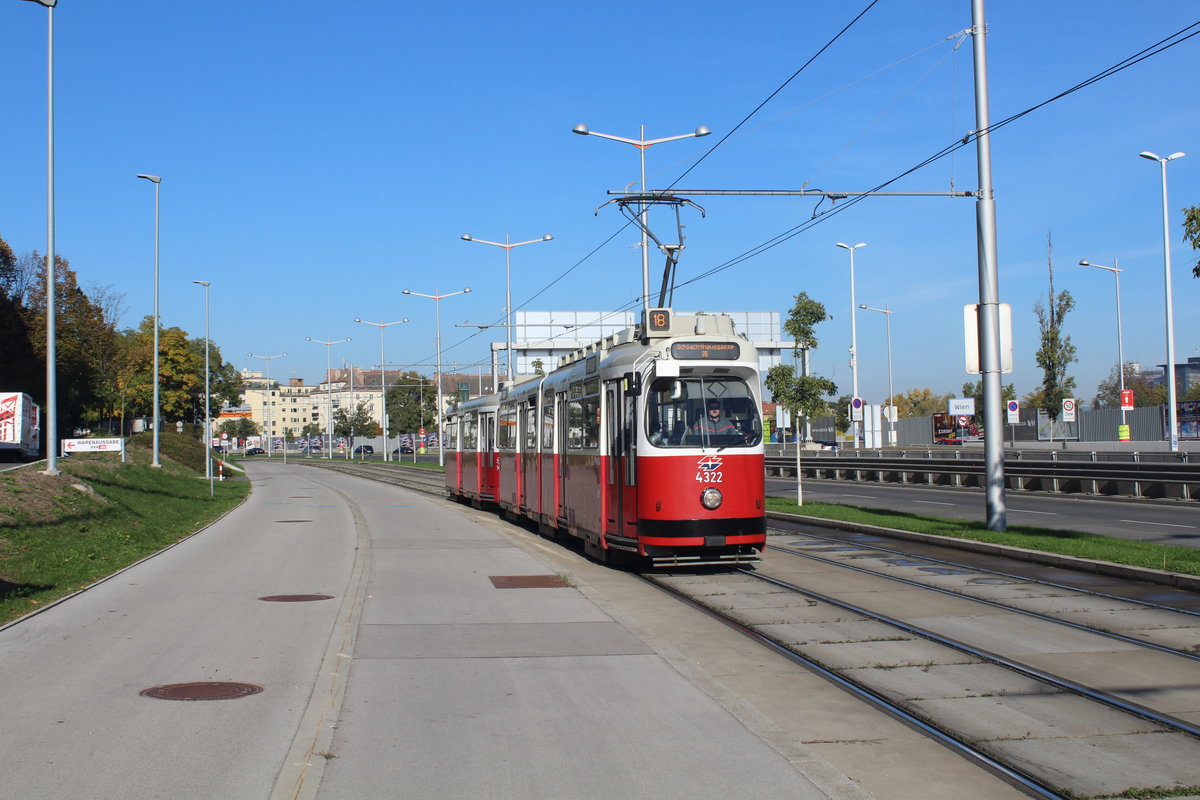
<point>318,158</point>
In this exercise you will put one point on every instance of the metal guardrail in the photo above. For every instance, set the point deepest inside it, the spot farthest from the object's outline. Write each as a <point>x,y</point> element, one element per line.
<point>1174,478</point>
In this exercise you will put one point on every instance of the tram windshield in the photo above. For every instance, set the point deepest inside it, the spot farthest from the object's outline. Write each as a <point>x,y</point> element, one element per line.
<point>702,412</point>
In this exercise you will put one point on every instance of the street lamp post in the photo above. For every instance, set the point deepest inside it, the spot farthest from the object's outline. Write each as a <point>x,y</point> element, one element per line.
<point>1116,273</point>
<point>437,308</point>
<point>328,388</point>
<point>208,475</point>
<point>853,333</point>
<point>382,376</point>
<point>51,426</point>
<point>642,143</point>
<point>887,312</point>
<point>508,247</point>
<point>1172,414</point>
<point>267,403</point>
<point>157,181</point>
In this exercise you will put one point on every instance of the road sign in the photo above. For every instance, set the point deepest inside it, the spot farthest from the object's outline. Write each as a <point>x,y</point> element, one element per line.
<point>224,436</point>
<point>962,405</point>
<point>92,446</point>
<point>1127,399</point>
<point>1014,412</point>
<point>1068,409</point>
<point>964,422</point>
<point>856,409</point>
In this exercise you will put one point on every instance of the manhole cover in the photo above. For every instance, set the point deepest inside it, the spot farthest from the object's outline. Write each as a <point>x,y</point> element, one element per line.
<point>203,690</point>
<point>296,598</point>
<point>528,581</point>
<point>293,520</point>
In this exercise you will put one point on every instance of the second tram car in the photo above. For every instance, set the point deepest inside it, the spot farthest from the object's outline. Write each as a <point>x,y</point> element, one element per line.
<point>647,444</point>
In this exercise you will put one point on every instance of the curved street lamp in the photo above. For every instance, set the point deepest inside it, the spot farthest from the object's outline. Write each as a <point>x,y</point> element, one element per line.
<point>437,307</point>
<point>328,388</point>
<point>383,415</point>
<point>642,143</point>
<point>887,312</point>
<point>267,403</point>
<point>853,331</point>
<point>157,181</point>
<point>1116,273</point>
<point>508,247</point>
<point>1172,413</point>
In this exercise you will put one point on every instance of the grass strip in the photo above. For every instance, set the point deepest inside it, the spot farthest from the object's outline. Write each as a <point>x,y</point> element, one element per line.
<point>60,534</point>
<point>1184,560</point>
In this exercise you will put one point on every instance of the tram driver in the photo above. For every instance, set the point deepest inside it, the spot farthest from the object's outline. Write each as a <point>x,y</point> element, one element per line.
<point>715,427</point>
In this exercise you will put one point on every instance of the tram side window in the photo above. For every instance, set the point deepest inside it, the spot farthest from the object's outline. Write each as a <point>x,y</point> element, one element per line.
<point>583,415</point>
<point>548,425</point>
<point>470,432</point>
<point>530,445</point>
<point>452,434</point>
<point>702,412</point>
<point>507,435</point>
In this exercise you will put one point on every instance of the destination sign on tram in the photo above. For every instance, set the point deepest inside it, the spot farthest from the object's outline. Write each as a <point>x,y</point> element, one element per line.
<point>685,351</point>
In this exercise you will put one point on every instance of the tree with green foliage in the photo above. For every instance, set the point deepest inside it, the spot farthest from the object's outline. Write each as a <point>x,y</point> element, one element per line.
<point>359,422</point>
<point>240,428</point>
<point>412,404</point>
<point>1145,393</point>
<point>974,390</point>
<point>920,403</point>
<point>1191,233</point>
<point>803,395</point>
<point>1056,352</point>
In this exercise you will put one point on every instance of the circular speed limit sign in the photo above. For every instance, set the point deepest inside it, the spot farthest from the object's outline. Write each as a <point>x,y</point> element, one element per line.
<point>1068,405</point>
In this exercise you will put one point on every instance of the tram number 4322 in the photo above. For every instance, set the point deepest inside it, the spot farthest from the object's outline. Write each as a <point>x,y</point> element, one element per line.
<point>709,470</point>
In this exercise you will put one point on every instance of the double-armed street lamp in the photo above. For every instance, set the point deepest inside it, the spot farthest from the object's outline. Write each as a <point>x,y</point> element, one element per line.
<point>383,375</point>
<point>1116,273</point>
<point>508,247</point>
<point>853,332</point>
<point>207,397</point>
<point>157,181</point>
<point>267,403</point>
<point>51,427</point>
<point>437,308</point>
<point>642,143</point>
<point>887,312</point>
<point>1172,413</point>
<point>328,387</point>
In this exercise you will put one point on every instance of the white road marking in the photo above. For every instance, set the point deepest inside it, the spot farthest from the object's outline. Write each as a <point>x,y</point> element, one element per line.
<point>932,503</point>
<point>1167,524</point>
<point>867,496</point>
<point>1026,511</point>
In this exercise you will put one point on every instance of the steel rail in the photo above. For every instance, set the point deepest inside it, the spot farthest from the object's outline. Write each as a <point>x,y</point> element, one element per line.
<point>999,573</point>
<point>1049,679</point>
<point>993,604</point>
<point>1009,774</point>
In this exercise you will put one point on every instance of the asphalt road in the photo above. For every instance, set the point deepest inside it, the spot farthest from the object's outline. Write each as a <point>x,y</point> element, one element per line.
<point>1158,521</point>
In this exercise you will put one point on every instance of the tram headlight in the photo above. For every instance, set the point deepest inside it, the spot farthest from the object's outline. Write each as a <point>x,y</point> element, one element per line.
<point>711,498</point>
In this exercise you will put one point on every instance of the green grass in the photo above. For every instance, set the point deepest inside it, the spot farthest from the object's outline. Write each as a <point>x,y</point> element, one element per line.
<point>56,539</point>
<point>1184,560</point>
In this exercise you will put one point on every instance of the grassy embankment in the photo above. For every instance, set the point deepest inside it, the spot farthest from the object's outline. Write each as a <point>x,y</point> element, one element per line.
<point>1184,560</point>
<point>59,534</point>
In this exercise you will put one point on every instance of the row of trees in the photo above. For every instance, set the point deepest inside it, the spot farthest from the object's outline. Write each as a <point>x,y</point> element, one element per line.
<point>105,374</point>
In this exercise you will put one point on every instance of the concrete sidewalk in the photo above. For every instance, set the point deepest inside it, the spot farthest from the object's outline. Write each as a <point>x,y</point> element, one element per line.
<point>460,689</point>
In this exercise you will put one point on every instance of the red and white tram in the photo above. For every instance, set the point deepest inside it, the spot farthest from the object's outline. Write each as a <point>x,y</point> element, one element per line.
<point>645,444</point>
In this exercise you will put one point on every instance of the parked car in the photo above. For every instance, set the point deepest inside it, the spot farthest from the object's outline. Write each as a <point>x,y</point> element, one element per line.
<point>254,451</point>
<point>828,445</point>
<point>364,450</point>
<point>404,448</point>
